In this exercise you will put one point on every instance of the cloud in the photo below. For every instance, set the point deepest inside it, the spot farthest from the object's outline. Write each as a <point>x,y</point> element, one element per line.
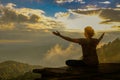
<point>62,14</point>
<point>11,14</point>
<point>28,12</point>
<point>69,1</point>
<point>10,5</point>
<point>116,26</point>
<point>9,26</point>
<point>63,1</point>
<point>25,18</point>
<point>110,15</point>
<point>13,41</point>
<point>118,5</point>
<point>105,2</point>
<point>58,55</point>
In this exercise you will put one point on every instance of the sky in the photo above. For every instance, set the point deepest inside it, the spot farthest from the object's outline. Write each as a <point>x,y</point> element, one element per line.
<point>26,28</point>
<point>59,10</point>
<point>53,6</point>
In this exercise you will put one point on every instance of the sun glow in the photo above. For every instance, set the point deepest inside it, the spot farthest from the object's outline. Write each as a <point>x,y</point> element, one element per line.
<point>80,21</point>
<point>92,20</point>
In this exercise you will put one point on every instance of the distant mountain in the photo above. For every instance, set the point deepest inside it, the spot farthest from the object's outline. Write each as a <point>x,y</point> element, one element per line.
<point>12,69</point>
<point>110,53</point>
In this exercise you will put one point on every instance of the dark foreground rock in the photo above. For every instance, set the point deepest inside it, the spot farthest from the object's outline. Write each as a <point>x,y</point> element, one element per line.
<point>105,71</point>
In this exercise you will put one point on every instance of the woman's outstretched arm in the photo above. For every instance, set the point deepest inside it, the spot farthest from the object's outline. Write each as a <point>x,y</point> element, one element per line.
<point>100,38</point>
<point>65,37</point>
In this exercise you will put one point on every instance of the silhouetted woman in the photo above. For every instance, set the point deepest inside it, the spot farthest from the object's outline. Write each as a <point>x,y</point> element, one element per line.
<point>88,44</point>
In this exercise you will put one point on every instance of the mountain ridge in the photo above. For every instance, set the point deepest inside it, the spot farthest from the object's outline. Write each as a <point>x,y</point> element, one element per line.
<point>110,53</point>
<point>13,69</point>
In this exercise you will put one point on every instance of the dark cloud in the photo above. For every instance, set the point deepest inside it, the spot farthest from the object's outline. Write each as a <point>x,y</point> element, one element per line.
<point>10,15</point>
<point>34,18</point>
<point>110,15</point>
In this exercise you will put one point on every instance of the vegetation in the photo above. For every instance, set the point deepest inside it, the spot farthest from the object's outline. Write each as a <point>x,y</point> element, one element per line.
<point>12,69</point>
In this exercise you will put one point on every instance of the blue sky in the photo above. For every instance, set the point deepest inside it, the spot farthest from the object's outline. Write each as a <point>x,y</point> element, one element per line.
<point>51,7</point>
<point>47,6</point>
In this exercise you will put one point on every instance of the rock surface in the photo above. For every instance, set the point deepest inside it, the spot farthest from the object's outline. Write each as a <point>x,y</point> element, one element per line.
<point>103,72</point>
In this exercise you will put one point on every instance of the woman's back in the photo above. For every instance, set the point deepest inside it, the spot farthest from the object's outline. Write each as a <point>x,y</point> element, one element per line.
<point>89,50</point>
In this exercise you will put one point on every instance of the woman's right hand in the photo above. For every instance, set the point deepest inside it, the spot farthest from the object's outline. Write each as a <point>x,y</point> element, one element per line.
<point>56,33</point>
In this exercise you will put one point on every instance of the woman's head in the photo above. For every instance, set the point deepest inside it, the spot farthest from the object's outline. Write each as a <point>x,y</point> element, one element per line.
<point>89,32</point>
